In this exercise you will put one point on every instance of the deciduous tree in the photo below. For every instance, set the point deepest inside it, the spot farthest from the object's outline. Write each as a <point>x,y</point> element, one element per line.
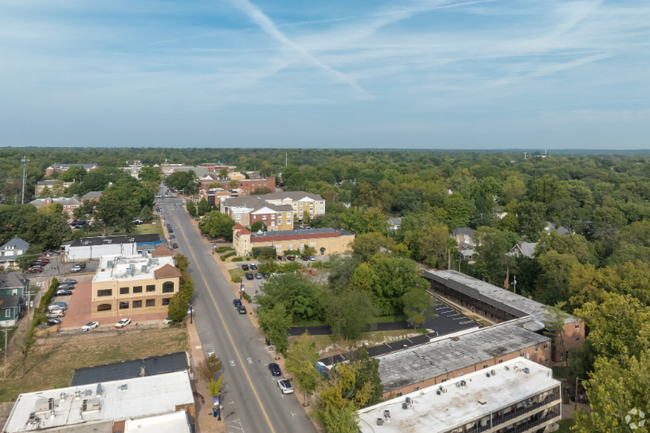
<point>300,362</point>
<point>275,322</point>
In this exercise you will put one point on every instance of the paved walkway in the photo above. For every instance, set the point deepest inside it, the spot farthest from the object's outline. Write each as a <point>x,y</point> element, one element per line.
<point>79,307</point>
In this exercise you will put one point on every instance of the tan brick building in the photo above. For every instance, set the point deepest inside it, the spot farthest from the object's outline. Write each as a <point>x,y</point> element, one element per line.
<point>134,284</point>
<point>323,241</point>
<point>247,210</point>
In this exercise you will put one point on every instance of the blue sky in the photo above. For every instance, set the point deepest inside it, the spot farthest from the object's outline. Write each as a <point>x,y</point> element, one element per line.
<point>266,73</point>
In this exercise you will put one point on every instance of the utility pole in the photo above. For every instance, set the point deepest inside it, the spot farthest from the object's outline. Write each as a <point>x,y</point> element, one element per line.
<point>24,161</point>
<point>6,352</point>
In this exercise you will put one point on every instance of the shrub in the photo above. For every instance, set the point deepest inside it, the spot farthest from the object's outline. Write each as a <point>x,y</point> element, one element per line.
<point>236,279</point>
<point>225,256</point>
<point>247,296</point>
<point>263,252</point>
<point>237,259</point>
<point>223,249</point>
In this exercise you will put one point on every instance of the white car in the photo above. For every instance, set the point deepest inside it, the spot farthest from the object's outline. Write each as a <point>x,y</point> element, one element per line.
<point>90,325</point>
<point>122,323</point>
<point>167,321</point>
<point>285,386</point>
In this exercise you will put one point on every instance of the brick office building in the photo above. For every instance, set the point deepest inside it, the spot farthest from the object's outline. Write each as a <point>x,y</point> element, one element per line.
<point>501,305</point>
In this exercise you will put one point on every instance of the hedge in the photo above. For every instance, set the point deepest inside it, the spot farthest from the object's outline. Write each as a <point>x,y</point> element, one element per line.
<point>237,259</point>
<point>247,297</point>
<point>41,311</point>
<point>225,256</point>
<point>223,249</point>
<point>258,250</point>
<point>236,279</point>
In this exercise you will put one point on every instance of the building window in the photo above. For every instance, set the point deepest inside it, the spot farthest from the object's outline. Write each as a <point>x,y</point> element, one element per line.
<point>168,287</point>
<point>272,216</point>
<point>443,380</point>
<point>105,292</point>
<point>577,326</point>
<point>124,305</point>
<point>137,289</point>
<point>238,217</point>
<point>545,346</point>
<point>124,290</point>
<point>151,288</point>
<point>399,394</point>
<point>264,217</point>
<point>165,301</point>
<point>137,304</point>
<point>279,222</point>
<point>500,361</point>
<point>7,312</point>
<point>417,388</point>
<point>536,350</point>
<point>104,307</point>
<point>150,303</point>
<point>485,366</point>
<point>578,339</point>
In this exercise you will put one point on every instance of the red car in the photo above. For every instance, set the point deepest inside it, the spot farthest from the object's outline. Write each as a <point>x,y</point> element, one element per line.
<point>34,270</point>
<point>44,261</point>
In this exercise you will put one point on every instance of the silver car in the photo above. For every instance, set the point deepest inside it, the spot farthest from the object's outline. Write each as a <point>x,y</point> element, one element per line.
<point>285,386</point>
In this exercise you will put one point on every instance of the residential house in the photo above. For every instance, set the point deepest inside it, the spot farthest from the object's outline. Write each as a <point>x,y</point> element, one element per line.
<point>394,223</point>
<point>40,186</point>
<point>323,241</point>
<point>526,249</point>
<point>14,295</point>
<point>561,230</point>
<point>463,234</point>
<point>133,284</point>
<point>69,204</point>
<point>65,167</point>
<point>10,251</point>
<point>300,201</point>
<point>247,210</point>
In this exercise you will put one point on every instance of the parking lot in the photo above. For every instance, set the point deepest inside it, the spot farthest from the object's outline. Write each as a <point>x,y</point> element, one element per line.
<point>91,267</point>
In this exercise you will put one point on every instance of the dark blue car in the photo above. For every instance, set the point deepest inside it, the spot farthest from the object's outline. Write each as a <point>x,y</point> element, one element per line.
<point>236,302</point>
<point>275,369</point>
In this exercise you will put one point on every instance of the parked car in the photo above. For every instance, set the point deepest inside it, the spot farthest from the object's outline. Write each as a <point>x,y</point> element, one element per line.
<point>258,276</point>
<point>253,267</point>
<point>241,309</point>
<point>285,386</point>
<point>237,303</point>
<point>53,321</point>
<point>312,258</point>
<point>167,321</point>
<point>55,314</point>
<point>90,325</point>
<point>76,268</point>
<point>282,258</point>
<point>44,261</point>
<point>304,258</point>
<point>172,236</point>
<point>37,263</point>
<point>59,305</point>
<point>65,287</point>
<point>249,276</point>
<point>34,270</point>
<point>67,281</point>
<point>170,230</point>
<point>275,369</point>
<point>174,245</point>
<point>63,293</point>
<point>244,267</point>
<point>266,275</point>
<point>122,323</point>
<point>291,258</point>
<point>137,221</point>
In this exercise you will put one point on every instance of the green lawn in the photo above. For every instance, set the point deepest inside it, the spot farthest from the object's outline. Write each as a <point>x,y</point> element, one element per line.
<point>147,229</point>
<point>565,426</point>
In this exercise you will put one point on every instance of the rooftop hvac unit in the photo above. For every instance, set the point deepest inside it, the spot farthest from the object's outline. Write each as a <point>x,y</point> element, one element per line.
<point>408,400</point>
<point>99,390</point>
<point>43,405</point>
<point>386,414</point>
<point>380,421</point>
<point>88,392</point>
<point>487,374</point>
<point>405,405</point>
<point>492,372</point>
<point>33,419</point>
<point>123,387</point>
<point>525,370</point>
<point>143,269</point>
<point>463,383</point>
<point>90,405</point>
<point>438,392</point>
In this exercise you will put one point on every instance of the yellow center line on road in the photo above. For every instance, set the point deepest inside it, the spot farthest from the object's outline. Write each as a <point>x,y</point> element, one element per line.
<point>225,327</point>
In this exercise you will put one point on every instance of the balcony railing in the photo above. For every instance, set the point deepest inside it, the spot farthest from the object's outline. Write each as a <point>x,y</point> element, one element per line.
<point>496,421</point>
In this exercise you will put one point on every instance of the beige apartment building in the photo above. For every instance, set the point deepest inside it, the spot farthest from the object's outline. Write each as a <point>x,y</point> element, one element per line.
<point>140,283</point>
<point>247,210</point>
<point>299,201</point>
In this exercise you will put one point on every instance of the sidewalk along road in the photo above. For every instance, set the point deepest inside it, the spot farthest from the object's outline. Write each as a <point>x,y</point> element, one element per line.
<point>252,401</point>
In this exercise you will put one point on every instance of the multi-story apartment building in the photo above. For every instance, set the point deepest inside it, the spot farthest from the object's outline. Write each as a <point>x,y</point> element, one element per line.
<point>248,186</point>
<point>246,210</point>
<point>133,284</point>
<point>518,396</point>
<point>300,202</point>
<point>69,204</point>
<point>65,167</point>
<point>500,305</point>
<point>50,184</point>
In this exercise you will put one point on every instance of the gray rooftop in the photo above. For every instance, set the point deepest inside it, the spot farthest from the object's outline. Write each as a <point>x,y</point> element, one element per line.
<point>199,171</point>
<point>92,194</point>
<point>12,279</point>
<point>293,195</point>
<point>466,231</point>
<point>304,232</point>
<point>124,239</point>
<point>67,166</point>
<point>255,202</point>
<point>152,366</point>
<point>492,295</point>
<point>419,363</point>
<point>65,201</point>
<point>16,243</point>
<point>525,248</point>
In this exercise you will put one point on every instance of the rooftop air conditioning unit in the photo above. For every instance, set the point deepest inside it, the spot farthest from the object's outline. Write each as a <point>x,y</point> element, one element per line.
<point>526,370</point>
<point>380,421</point>
<point>487,374</point>
<point>438,392</point>
<point>492,372</point>
<point>386,414</point>
<point>109,264</point>
<point>405,405</point>
<point>408,400</point>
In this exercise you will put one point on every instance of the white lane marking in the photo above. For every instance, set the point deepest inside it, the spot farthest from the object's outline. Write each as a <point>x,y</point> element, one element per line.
<point>250,361</point>
<point>236,424</point>
<point>232,363</point>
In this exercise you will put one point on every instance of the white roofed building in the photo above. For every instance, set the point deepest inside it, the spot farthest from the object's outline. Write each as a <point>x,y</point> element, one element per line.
<point>518,396</point>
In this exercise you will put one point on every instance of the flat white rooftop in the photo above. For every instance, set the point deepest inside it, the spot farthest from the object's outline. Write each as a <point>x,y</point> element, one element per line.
<point>117,400</point>
<point>176,422</point>
<point>129,267</point>
<point>433,413</point>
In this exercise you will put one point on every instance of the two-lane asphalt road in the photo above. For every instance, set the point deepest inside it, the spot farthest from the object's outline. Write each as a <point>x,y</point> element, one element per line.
<point>252,400</point>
